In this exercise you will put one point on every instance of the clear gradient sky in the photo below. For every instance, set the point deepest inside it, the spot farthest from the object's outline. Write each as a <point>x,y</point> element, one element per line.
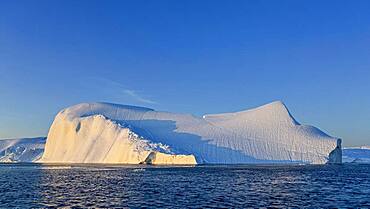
<point>187,56</point>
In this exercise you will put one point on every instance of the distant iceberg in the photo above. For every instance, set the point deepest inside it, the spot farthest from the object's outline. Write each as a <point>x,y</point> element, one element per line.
<point>112,133</point>
<point>21,150</point>
<point>356,154</point>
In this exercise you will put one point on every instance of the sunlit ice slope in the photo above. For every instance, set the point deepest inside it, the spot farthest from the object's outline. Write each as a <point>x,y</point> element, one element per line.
<point>111,133</point>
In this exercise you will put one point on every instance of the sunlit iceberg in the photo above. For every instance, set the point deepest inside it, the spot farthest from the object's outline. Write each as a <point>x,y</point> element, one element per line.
<point>111,133</point>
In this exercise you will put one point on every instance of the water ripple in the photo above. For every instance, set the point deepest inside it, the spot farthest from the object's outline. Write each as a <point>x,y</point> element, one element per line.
<point>30,186</point>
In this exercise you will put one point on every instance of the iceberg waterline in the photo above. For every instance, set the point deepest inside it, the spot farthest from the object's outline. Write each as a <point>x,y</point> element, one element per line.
<point>111,133</point>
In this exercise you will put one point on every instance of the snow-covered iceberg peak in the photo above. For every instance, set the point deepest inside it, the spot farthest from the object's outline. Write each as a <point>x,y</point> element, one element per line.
<point>269,114</point>
<point>102,133</point>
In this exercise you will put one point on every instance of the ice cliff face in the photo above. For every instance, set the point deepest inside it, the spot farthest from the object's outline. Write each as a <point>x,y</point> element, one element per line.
<point>21,150</point>
<point>109,133</point>
<point>97,139</point>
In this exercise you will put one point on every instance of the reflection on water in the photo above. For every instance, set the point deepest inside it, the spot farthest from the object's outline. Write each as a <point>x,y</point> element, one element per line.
<point>30,185</point>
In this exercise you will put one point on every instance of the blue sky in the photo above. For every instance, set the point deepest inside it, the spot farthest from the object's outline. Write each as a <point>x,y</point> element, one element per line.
<point>187,56</point>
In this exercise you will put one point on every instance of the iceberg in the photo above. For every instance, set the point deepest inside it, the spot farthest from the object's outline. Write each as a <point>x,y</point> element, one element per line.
<point>113,133</point>
<point>356,154</point>
<point>21,150</point>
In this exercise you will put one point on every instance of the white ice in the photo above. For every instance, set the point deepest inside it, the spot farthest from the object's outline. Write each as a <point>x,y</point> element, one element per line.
<point>111,133</point>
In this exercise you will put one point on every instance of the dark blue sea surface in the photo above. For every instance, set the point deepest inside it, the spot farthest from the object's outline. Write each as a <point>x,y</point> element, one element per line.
<point>34,185</point>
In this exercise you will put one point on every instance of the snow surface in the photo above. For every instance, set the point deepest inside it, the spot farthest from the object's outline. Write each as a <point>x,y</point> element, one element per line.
<point>356,154</point>
<point>21,150</point>
<point>111,133</point>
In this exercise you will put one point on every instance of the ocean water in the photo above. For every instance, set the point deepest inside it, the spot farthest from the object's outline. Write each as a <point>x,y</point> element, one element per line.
<point>33,185</point>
